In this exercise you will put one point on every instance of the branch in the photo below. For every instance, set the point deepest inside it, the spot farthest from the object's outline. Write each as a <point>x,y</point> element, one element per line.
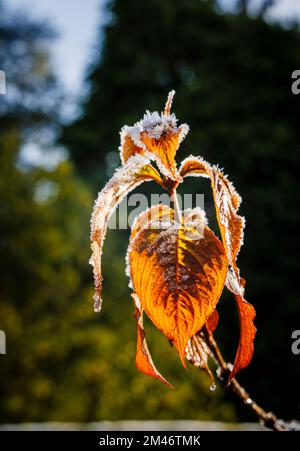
<point>268,419</point>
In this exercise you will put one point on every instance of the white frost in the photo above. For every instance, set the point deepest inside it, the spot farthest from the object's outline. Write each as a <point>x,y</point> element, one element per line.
<point>155,125</point>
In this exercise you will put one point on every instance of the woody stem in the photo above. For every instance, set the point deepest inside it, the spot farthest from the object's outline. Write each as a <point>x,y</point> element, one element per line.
<point>269,419</point>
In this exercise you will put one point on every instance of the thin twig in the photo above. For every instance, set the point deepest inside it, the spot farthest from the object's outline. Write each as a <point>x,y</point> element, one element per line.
<point>268,419</point>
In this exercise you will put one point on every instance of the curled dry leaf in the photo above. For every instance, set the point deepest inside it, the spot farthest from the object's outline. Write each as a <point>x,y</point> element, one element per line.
<point>227,202</point>
<point>178,276</point>
<point>231,224</point>
<point>246,313</point>
<point>136,171</point>
<point>144,361</point>
<point>245,349</point>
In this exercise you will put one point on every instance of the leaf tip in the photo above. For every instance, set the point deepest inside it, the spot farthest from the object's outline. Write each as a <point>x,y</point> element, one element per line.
<point>169,103</point>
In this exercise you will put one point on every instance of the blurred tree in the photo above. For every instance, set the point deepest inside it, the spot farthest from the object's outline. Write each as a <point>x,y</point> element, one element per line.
<point>32,90</point>
<point>62,363</point>
<point>242,6</point>
<point>232,74</point>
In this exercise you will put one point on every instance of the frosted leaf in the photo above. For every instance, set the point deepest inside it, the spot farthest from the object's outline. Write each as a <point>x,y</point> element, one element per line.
<point>178,279</point>
<point>227,202</point>
<point>126,178</point>
<point>169,102</point>
<point>184,129</point>
<point>190,166</point>
<point>163,169</point>
<point>156,135</point>
<point>146,219</point>
<point>134,134</point>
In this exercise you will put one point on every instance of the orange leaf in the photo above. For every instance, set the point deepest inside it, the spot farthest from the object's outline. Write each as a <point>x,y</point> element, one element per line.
<point>231,225</point>
<point>212,322</point>
<point>164,149</point>
<point>136,171</point>
<point>245,350</point>
<point>227,202</point>
<point>144,362</point>
<point>156,136</point>
<point>178,277</point>
<point>128,148</point>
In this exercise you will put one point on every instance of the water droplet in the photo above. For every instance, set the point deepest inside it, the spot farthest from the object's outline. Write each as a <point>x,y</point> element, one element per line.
<point>213,387</point>
<point>249,401</point>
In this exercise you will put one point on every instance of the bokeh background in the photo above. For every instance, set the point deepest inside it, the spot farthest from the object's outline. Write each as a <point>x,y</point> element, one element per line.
<point>76,72</point>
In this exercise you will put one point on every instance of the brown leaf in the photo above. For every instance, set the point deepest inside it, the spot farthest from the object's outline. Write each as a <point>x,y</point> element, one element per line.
<point>247,334</point>
<point>227,202</point>
<point>136,171</point>
<point>144,362</point>
<point>231,225</point>
<point>178,277</point>
<point>246,313</point>
<point>164,149</point>
<point>128,148</point>
<point>212,322</point>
